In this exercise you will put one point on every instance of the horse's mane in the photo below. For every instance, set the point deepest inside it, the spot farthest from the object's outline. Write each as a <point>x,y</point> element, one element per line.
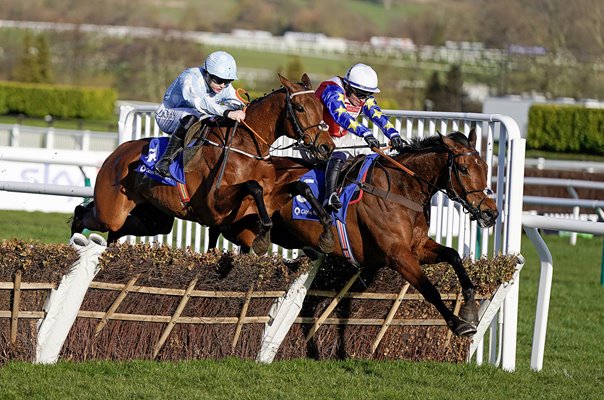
<point>434,142</point>
<point>259,99</point>
<point>281,89</point>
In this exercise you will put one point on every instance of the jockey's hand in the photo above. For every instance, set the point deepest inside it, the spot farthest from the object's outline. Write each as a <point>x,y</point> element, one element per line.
<point>237,115</point>
<point>397,143</point>
<point>372,141</point>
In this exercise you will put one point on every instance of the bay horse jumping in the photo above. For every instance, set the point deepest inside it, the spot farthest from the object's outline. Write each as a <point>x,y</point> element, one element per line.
<point>385,229</point>
<point>229,175</point>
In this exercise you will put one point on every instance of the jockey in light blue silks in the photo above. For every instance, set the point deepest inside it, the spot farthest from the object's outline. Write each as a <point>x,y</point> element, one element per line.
<point>197,93</point>
<point>344,99</point>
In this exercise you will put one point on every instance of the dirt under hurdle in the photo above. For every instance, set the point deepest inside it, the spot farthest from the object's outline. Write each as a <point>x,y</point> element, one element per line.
<point>219,304</point>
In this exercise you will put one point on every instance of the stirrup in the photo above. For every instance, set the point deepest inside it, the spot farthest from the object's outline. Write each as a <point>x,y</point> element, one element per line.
<point>162,167</point>
<point>333,202</point>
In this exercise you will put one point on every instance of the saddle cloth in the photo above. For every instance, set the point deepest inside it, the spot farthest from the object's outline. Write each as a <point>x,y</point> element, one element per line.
<point>157,147</point>
<point>315,179</point>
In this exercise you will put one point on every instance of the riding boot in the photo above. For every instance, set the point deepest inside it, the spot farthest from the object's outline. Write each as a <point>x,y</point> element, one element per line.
<point>332,202</point>
<point>162,166</point>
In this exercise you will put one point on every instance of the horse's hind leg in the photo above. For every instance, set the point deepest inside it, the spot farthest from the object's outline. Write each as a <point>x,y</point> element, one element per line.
<point>144,220</point>
<point>77,219</point>
<point>435,253</point>
<point>84,217</point>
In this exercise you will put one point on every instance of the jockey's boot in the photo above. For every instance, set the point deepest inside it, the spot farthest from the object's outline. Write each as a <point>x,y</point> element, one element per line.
<point>162,166</point>
<point>332,202</point>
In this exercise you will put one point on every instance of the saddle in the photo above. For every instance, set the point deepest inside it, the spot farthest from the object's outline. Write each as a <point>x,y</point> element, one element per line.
<point>354,172</point>
<point>194,139</point>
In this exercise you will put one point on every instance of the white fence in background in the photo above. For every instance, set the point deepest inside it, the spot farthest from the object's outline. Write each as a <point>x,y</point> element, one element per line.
<point>54,138</point>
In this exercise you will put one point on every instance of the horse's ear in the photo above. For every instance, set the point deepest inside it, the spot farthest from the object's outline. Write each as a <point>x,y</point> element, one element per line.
<point>447,141</point>
<point>306,82</point>
<point>472,137</point>
<point>286,83</point>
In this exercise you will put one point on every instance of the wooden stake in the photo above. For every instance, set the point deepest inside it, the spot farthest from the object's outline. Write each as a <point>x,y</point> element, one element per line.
<point>391,313</point>
<point>331,306</point>
<point>179,309</point>
<point>15,313</point>
<point>456,312</point>
<point>116,304</point>
<point>242,316</point>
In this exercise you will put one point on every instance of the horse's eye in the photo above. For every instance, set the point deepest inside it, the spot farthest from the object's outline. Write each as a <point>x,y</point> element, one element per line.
<point>463,169</point>
<point>299,108</point>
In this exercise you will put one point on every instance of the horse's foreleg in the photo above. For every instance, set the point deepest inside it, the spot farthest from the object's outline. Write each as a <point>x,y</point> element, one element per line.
<point>326,240</point>
<point>408,266</point>
<point>213,234</point>
<point>435,253</point>
<point>262,240</point>
<point>229,198</point>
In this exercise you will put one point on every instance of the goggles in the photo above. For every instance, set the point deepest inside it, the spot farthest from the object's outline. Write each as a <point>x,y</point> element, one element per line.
<point>360,94</point>
<point>220,81</point>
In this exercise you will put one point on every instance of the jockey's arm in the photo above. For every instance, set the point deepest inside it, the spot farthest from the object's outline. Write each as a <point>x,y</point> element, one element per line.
<point>375,114</point>
<point>200,98</point>
<point>333,100</point>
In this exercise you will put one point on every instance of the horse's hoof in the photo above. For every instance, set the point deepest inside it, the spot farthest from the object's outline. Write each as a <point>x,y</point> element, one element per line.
<point>326,242</point>
<point>260,244</point>
<point>464,328</point>
<point>469,313</point>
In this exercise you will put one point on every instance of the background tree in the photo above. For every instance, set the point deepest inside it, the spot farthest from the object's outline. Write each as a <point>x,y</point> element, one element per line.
<point>294,69</point>
<point>34,63</point>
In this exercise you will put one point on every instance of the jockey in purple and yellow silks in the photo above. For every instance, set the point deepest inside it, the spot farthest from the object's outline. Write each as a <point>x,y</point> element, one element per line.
<point>344,99</point>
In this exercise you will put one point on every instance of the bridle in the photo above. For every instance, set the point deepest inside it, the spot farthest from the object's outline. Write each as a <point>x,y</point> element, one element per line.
<point>301,132</point>
<point>453,171</point>
<point>462,198</point>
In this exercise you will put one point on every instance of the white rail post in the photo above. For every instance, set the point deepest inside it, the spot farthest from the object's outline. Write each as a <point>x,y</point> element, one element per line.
<point>513,208</point>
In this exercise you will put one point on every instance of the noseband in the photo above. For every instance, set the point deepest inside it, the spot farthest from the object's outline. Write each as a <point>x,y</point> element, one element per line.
<point>300,131</point>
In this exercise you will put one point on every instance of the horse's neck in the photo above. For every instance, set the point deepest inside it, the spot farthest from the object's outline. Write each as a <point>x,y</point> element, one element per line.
<point>263,118</point>
<point>429,167</point>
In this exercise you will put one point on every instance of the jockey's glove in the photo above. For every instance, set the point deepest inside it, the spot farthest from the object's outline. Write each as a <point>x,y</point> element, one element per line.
<point>372,141</point>
<point>397,143</point>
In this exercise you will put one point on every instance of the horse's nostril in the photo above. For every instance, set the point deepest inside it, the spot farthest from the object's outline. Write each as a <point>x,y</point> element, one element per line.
<point>492,214</point>
<point>324,149</point>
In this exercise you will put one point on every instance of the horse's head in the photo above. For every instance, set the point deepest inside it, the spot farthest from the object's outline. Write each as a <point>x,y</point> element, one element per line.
<point>467,182</point>
<point>305,119</point>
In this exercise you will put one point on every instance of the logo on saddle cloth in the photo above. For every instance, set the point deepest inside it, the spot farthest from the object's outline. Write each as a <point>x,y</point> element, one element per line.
<point>157,147</point>
<point>315,179</point>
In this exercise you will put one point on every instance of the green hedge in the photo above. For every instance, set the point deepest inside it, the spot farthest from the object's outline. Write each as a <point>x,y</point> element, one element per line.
<point>564,128</point>
<point>39,100</point>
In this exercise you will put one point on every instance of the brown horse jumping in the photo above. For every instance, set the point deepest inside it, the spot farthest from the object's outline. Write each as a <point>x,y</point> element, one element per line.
<point>384,230</point>
<point>128,203</point>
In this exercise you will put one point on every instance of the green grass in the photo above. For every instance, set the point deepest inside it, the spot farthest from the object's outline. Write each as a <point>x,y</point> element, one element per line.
<point>383,18</point>
<point>573,364</point>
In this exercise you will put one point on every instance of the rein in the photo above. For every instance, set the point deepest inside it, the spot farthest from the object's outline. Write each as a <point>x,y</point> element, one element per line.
<point>450,192</point>
<point>299,130</point>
